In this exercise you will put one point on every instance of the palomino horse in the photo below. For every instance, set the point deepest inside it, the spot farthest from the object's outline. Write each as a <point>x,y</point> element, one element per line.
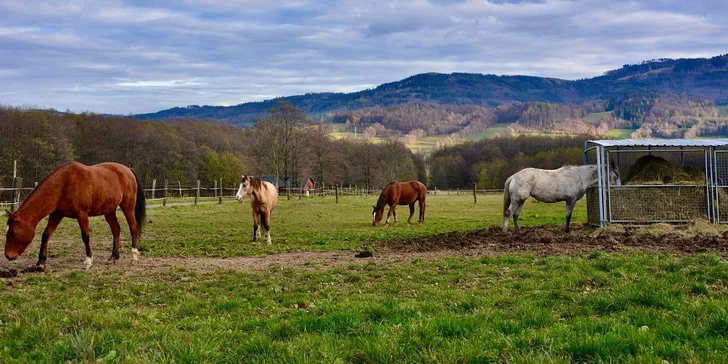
<point>77,191</point>
<point>400,193</point>
<point>263,199</point>
<point>568,183</point>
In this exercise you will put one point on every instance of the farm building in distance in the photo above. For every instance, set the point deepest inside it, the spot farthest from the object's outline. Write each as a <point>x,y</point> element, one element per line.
<point>663,180</point>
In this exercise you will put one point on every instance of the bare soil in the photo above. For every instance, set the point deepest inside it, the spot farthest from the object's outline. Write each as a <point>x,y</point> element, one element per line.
<point>539,241</point>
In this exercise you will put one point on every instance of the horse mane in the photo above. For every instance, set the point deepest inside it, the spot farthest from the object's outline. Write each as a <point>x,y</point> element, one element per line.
<point>256,183</point>
<point>380,202</point>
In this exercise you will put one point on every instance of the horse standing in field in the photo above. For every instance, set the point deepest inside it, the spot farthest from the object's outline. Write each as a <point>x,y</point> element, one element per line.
<point>568,183</point>
<point>308,187</point>
<point>263,199</point>
<point>78,191</point>
<point>400,193</point>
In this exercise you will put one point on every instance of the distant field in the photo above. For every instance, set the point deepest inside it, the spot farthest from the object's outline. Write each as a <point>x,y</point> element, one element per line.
<point>723,110</point>
<point>620,133</point>
<point>596,117</point>
<point>488,133</point>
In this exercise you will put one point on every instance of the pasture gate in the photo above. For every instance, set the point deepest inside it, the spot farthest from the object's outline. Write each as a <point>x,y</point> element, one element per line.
<point>663,180</point>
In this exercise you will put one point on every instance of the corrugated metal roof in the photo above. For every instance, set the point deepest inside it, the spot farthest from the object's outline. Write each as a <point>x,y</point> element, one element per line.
<point>661,142</point>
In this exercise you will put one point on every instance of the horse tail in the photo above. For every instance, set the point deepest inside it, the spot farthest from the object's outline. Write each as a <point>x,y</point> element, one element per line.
<point>140,209</point>
<point>507,195</point>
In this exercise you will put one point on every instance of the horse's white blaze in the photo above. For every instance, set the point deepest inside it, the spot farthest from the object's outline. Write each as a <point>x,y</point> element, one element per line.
<point>239,195</point>
<point>134,254</point>
<point>374,216</point>
<point>89,262</point>
<point>7,228</point>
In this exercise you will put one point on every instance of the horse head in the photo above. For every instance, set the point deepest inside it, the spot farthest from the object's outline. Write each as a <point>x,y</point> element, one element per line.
<point>18,236</point>
<point>614,177</point>
<point>377,215</point>
<point>244,187</point>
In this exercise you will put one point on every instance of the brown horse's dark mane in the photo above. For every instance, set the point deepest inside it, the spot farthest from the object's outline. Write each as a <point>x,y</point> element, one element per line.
<point>382,197</point>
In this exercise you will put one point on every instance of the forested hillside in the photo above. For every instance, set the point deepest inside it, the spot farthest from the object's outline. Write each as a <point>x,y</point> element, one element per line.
<point>701,78</point>
<point>185,151</point>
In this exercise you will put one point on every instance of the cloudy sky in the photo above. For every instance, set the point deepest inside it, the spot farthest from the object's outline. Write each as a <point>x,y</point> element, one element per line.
<point>143,56</point>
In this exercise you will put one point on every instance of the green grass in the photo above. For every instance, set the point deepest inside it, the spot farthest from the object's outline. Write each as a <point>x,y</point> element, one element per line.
<point>723,110</point>
<point>511,307</point>
<point>596,117</point>
<point>488,133</point>
<point>619,133</point>
<point>309,224</point>
<point>517,308</point>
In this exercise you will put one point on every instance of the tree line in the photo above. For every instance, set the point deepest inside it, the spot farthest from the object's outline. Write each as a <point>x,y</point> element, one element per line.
<point>283,142</point>
<point>488,163</point>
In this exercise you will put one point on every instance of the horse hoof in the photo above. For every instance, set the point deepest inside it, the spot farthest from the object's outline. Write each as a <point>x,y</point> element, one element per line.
<point>89,262</point>
<point>134,254</point>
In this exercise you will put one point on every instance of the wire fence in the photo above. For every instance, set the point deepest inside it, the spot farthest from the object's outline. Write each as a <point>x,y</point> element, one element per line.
<point>176,194</point>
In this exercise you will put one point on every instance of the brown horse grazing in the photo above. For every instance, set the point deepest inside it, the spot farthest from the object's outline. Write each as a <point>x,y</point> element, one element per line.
<point>77,191</point>
<point>400,193</point>
<point>263,199</point>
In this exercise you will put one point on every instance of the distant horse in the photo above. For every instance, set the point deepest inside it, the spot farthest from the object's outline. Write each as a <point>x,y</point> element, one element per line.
<point>77,191</point>
<point>400,193</point>
<point>263,199</point>
<point>308,187</point>
<point>567,183</point>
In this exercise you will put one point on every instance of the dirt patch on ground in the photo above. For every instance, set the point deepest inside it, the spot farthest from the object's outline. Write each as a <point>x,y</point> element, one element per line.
<point>551,240</point>
<point>540,241</point>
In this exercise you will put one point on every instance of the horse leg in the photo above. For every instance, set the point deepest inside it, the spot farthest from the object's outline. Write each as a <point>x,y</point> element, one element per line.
<point>115,229</point>
<point>570,204</point>
<point>513,211</point>
<point>516,214</point>
<point>256,224</point>
<point>266,225</point>
<point>389,213</point>
<point>412,212</point>
<point>394,213</point>
<point>83,224</point>
<point>53,222</point>
<point>422,212</point>
<point>133,230</point>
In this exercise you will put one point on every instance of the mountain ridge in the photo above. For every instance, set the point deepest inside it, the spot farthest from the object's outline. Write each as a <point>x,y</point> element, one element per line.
<point>700,77</point>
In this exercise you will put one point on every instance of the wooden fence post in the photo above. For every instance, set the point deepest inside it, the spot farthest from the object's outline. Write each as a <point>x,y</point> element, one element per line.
<point>14,194</point>
<point>164,202</point>
<point>154,187</point>
<point>197,192</point>
<point>475,199</point>
<point>180,188</point>
<point>337,193</point>
<point>221,192</point>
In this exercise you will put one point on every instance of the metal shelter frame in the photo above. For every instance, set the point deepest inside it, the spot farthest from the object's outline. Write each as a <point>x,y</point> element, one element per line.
<point>715,164</point>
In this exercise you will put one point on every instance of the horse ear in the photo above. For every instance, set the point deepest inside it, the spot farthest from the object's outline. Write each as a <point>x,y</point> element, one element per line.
<point>11,215</point>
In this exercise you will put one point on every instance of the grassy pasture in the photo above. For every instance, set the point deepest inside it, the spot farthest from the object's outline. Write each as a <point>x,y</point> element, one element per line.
<point>508,307</point>
<point>308,224</point>
<point>596,117</point>
<point>619,133</point>
<point>723,110</point>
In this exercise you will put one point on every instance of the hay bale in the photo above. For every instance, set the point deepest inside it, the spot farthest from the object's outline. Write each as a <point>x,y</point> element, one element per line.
<point>658,229</point>
<point>651,170</point>
<point>700,227</point>
<point>646,204</point>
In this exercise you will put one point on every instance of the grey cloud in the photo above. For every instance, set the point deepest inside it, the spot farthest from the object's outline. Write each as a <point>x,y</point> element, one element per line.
<point>134,56</point>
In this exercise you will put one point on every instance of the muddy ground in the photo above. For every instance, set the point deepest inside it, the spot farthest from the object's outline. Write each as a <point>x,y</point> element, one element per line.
<point>539,241</point>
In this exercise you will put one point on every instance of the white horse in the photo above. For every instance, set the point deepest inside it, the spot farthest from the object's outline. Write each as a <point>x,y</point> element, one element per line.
<point>568,183</point>
<point>263,199</point>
